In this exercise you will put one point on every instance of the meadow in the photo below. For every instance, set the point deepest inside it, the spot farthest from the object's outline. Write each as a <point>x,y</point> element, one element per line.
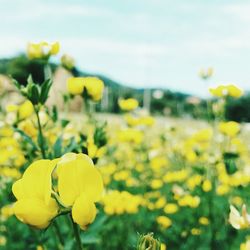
<point>130,181</point>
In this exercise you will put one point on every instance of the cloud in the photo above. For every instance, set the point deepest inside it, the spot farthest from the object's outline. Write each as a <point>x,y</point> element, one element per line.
<point>238,10</point>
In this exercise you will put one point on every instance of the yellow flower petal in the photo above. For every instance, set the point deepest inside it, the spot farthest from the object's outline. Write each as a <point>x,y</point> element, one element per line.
<point>78,172</point>
<point>83,211</point>
<point>35,212</point>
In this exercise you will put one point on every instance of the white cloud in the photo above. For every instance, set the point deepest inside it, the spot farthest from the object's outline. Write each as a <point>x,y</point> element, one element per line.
<point>240,11</point>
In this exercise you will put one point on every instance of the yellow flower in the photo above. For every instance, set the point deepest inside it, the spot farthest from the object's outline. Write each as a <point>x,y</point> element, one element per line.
<point>25,110</point>
<point>226,90</point>
<point>195,231</point>
<point>207,186</point>
<point>229,128</point>
<point>218,91</point>
<point>75,85</point>
<point>11,108</point>
<point>94,87</point>
<point>222,189</point>
<point>67,61</point>
<point>164,221</point>
<point>42,50</point>
<point>234,91</point>
<point>128,104</point>
<point>34,205</point>
<point>203,221</point>
<point>116,202</point>
<point>80,185</point>
<point>239,221</point>
<point>6,211</point>
<point>171,208</point>
<point>156,184</point>
<point>163,246</point>
<point>245,245</point>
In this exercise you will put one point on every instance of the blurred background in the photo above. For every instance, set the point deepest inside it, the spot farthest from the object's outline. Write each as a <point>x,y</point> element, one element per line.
<point>157,51</point>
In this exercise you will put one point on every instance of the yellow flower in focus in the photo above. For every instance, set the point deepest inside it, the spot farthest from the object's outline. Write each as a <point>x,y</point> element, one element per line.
<point>164,221</point>
<point>80,185</point>
<point>42,50</point>
<point>229,128</point>
<point>75,85</point>
<point>94,87</point>
<point>128,104</point>
<point>34,205</point>
<point>239,221</point>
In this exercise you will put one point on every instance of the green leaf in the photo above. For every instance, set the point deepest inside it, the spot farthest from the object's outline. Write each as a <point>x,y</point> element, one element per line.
<point>26,138</point>
<point>30,79</point>
<point>45,88</point>
<point>16,83</point>
<point>34,94</point>
<point>71,146</point>
<point>64,122</point>
<point>57,148</point>
<point>54,113</point>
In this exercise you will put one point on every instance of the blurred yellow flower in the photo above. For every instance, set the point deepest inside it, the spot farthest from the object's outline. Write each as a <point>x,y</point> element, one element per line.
<point>229,128</point>
<point>128,104</point>
<point>164,221</point>
<point>23,110</point>
<point>204,221</point>
<point>75,85</point>
<point>67,61</point>
<point>226,90</point>
<point>42,50</point>
<point>207,185</point>
<point>94,87</point>
<point>171,208</point>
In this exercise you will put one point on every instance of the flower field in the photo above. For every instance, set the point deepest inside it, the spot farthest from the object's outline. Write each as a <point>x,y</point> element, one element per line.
<point>132,181</point>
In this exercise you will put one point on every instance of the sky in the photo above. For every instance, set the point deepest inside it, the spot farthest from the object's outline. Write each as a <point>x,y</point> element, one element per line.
<point>140,43</point>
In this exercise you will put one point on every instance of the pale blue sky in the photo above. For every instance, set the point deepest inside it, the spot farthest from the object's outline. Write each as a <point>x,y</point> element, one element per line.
<point>153,43</point>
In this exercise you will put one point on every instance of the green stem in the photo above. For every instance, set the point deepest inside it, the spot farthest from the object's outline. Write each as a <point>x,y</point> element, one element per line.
<point>77,235</point>
<point>58,233</point>
<point>41,141</point>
